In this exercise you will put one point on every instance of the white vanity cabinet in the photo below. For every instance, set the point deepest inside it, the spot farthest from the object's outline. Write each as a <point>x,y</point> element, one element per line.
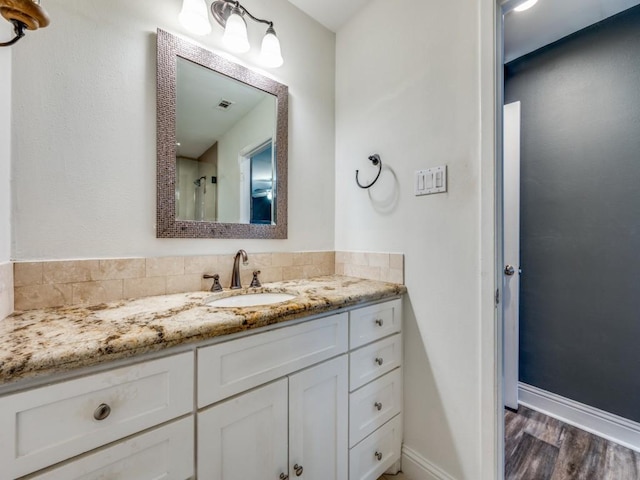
<point>293,427</point>
<point>335,381</point>
<point>310,400</point>
<point>296,426</point>
<point>46,425</point>
<point>375,398</point>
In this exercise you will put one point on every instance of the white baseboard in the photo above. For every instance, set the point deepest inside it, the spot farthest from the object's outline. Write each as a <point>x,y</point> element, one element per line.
<point>603,424</point>
<point>416,467</point>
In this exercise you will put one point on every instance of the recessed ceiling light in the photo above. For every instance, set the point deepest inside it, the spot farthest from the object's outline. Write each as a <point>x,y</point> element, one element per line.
<point>525,6</point>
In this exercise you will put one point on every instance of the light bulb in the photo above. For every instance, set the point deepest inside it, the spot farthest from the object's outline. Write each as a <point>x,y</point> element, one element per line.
<point>525,6</point>
<point>270,54</point>
<point>195,16</point>
<point>235,33</point>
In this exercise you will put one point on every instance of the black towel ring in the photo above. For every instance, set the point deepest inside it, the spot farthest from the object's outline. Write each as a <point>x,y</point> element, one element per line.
<point>375,159</point>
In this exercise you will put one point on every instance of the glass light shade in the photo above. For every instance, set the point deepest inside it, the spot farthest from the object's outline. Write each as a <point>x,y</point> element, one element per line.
<point>270,54</point>
<point>525,6</point>
<point>194,16</point>
<point>235,33</point>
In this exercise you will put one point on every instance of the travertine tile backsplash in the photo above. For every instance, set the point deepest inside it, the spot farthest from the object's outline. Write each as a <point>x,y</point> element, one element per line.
<point>386,267</point>
<point>6,289</point>
<point>56,283</point>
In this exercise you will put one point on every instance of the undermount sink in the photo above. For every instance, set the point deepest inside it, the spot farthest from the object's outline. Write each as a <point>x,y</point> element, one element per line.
<point>250,299</point>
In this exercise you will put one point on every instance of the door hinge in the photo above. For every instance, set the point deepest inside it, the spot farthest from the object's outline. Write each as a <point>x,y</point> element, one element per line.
<point>497,297</point>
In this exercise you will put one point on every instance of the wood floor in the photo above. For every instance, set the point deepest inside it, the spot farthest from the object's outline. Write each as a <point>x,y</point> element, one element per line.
<point>399,476</point>
<point>538,447</point>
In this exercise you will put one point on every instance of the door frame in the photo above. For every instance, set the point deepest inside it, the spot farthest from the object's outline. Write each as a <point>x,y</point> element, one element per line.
<point>491,242</point>
<point>244,163</point>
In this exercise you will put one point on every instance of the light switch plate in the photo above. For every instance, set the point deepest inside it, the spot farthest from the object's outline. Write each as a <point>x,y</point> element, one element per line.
<point>421,182</point>
<point>431,180</point>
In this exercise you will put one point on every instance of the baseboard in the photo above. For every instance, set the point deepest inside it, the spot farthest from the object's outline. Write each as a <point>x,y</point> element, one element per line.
<point>416,467</point>
<point>603,424</point>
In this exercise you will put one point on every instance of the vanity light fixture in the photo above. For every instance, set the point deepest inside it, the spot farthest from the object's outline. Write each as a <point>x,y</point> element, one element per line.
<point>24,14</point>
<point>194,17</point>
<point>230,14</point>
<point>525,5</point>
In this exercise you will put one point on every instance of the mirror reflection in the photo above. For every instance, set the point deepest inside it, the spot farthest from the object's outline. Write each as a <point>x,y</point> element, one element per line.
<point>222,134</point>
<point>225,148</point>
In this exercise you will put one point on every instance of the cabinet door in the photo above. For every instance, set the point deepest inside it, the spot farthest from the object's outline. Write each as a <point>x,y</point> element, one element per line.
<point>245,438</point>
<point>318,419</point>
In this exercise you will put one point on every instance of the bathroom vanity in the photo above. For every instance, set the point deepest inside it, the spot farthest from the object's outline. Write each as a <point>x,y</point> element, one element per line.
<point>310,388</point>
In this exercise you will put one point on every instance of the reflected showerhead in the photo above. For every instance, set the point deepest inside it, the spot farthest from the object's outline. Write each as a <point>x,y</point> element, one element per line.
<point>198,182</point>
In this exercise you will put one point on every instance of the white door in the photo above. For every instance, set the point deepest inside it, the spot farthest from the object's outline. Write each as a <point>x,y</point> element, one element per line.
<point>318,422</point>
<point>511,277</point>
<point>245,438</point>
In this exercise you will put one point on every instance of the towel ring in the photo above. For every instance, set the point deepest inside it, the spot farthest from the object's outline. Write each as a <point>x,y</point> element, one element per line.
<point>375,159</point>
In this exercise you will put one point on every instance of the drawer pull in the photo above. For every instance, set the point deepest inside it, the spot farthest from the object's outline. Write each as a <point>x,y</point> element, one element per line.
<point>378,406</point>
<point>102,411</point>
<point>284,476</point>
<point>378,455</point>
<point>379,322</point>
<point>298,469</point>
<point>379,360</point>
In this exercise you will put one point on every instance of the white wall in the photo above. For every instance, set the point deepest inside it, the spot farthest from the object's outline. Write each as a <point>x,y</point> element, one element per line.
<point>84,163</point>
<point>84,131</point>
<point>6,33</point>
<point>408,88</point>
<point>6,271</point>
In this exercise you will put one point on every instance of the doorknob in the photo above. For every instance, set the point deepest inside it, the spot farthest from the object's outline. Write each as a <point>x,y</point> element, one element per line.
<point>509,270</point>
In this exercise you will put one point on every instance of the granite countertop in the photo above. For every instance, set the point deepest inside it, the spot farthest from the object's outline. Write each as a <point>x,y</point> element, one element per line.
<point>54,340</point>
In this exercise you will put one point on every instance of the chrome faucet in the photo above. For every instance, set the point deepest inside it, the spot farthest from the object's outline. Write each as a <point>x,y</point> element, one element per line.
<point>235,275</point>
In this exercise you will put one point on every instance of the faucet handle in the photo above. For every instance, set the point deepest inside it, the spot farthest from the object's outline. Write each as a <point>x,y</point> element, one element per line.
<point>216,287</point>
<point>255,282</point>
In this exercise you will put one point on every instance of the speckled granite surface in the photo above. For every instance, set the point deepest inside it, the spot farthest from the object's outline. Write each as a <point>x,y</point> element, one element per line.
<point>53,340</point>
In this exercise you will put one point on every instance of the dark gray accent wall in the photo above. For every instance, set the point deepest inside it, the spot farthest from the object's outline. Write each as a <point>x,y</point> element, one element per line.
<point>580,218</point>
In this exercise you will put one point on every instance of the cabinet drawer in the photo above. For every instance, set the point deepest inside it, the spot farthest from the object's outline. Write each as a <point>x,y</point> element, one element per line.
<point>166,452</point>
<point>373,405</point>
<point>43,426</point>
<point>372,323</point>
<point>372,361</point>
<point>238,365</point>
<point>376,453</point>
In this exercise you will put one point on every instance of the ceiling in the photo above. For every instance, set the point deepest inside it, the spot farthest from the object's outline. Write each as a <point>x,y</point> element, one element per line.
<point>546,22</point>
<point>330,13</point>
<point>551,20</point>
<point>199,123</point>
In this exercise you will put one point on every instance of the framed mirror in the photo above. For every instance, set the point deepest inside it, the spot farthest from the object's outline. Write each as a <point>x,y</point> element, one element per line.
<point>222,146</point>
